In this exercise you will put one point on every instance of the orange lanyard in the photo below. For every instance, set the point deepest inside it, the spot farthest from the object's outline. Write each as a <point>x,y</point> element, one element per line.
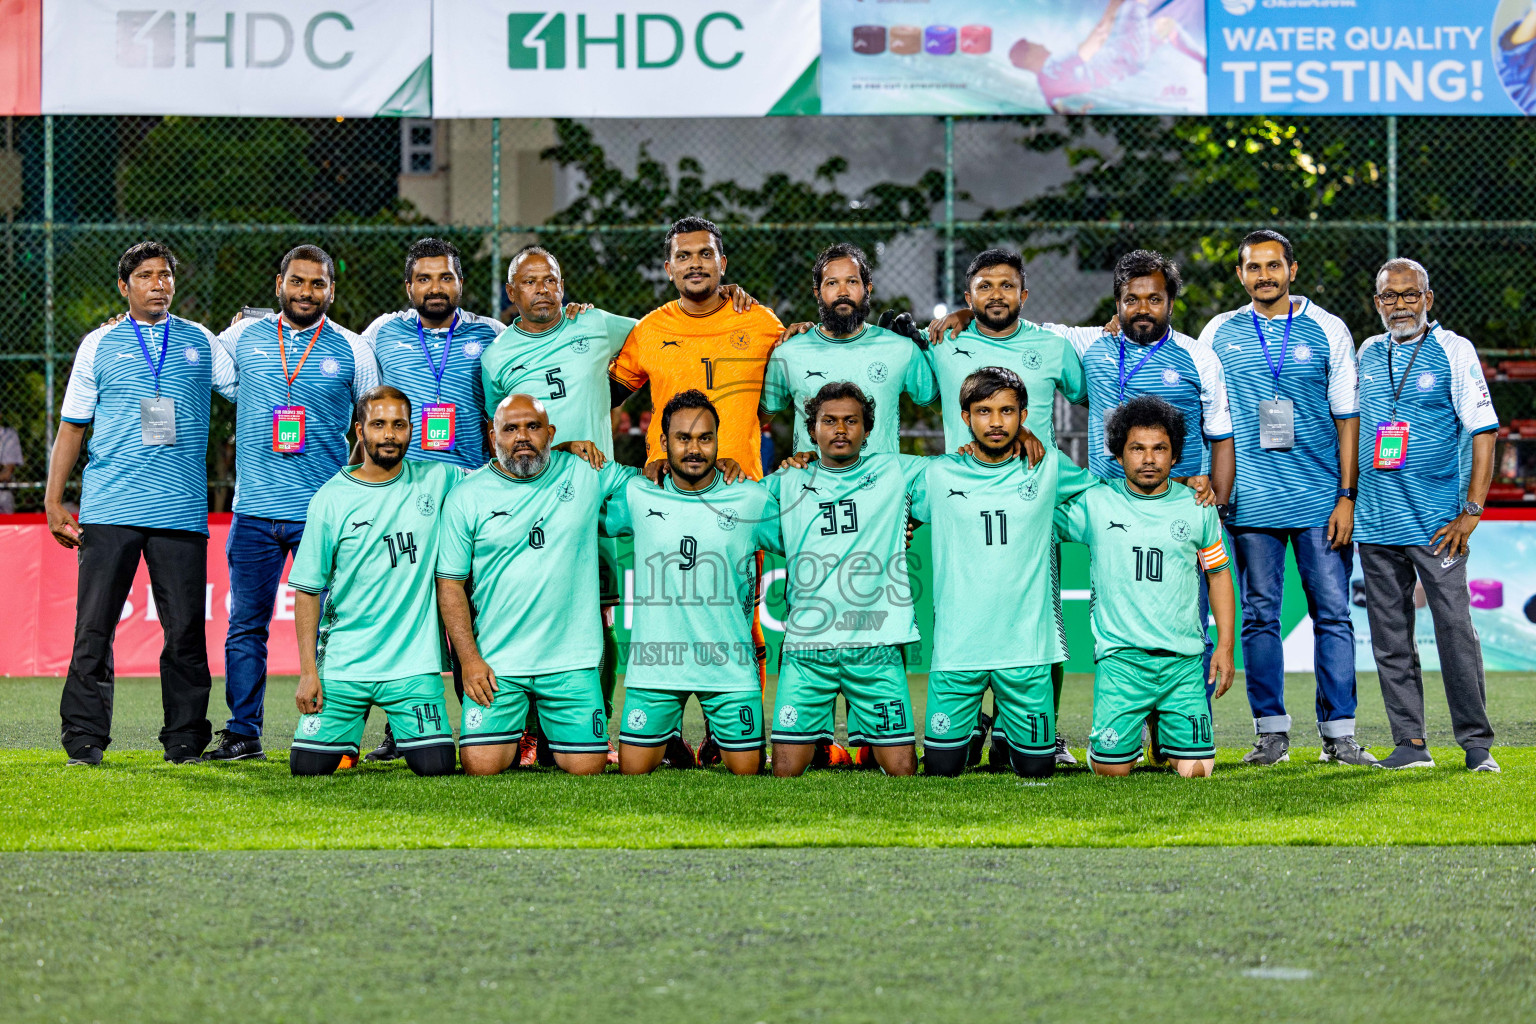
<point>283,354</point>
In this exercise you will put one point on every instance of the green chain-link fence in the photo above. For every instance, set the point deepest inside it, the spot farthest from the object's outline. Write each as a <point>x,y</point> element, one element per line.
<point>921,195</point>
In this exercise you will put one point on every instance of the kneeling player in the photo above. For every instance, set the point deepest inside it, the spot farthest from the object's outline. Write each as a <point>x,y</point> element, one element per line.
<point>995,554</point>
<point>370,543</point>
<point>696,542</point>
<point>844,527</point>
<point>524,528</point>
<point>1150,541</point>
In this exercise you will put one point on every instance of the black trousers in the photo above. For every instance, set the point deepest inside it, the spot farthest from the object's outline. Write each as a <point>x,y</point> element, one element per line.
<point>178,577</point>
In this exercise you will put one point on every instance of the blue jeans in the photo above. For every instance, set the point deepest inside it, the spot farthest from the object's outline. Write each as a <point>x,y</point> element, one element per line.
<point>1325,580</point>
<point>257,550</point>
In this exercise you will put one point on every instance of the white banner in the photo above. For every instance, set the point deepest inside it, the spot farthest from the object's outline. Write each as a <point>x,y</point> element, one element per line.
<point>288,58</point>
<point>618,58</point>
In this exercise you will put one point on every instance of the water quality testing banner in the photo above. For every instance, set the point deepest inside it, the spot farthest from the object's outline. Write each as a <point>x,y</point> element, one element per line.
<point>276,58</point>
<point>1013,57</point>
<point>614,58</point>
<point>1372,56</point>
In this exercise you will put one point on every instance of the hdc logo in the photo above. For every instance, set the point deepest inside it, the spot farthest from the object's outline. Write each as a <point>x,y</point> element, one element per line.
<point>537,40</point>
<point>148,39</point>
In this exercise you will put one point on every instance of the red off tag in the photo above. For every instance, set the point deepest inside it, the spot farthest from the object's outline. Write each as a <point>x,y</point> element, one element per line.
<point>1391,445</point>
<point>437,427</point>
<point>288,429</point>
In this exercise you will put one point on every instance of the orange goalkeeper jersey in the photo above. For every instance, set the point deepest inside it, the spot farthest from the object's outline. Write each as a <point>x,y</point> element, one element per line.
<point>723,354</point>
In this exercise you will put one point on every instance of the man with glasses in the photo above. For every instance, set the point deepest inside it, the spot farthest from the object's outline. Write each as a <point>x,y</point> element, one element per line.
<point>1426,460</point>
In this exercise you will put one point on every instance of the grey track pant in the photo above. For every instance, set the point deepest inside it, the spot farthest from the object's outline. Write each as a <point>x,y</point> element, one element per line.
<point>1389,578</point>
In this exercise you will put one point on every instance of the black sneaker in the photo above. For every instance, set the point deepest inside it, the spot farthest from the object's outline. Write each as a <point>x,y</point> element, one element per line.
<point>183,754</point>
<point>1064,756</point>
<point>1344,750</point>
<point>1406,755</point>
<point>709,751</point>
<point>90,757</point>
<point>1269,748</point>
<point>979,740</point>
<point>386,750</point>
<point>235,747</point>
<point>1478,760</point>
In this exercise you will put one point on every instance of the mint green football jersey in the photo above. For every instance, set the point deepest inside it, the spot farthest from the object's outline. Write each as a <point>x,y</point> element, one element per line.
<point>371,548</point>
<point>695,581</point>
<point>1147,555</point>
<point>996,580</point>
<point>566,368</point>
<point>844,534</point>
<point>1044,360</point>
<point>530,546</point>
<point>883,363</point>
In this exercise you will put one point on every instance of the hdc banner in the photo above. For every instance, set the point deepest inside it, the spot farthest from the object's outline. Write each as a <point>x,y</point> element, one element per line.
<point>616,58</point>
<point>1372,57</point>
<point>287,58</point>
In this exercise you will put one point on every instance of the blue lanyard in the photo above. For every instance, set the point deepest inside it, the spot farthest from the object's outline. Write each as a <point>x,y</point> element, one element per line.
<point>1126,378</point>
<point>165,340</point>
<point>1263,344</point>
<point>437,371</point>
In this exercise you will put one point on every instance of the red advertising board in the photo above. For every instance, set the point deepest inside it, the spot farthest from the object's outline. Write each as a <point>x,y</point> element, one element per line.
<point>37,606</point>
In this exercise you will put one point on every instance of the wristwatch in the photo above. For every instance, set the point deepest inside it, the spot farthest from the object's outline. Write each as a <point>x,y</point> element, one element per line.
<point>1471,508</point>
<point>1346,492</point>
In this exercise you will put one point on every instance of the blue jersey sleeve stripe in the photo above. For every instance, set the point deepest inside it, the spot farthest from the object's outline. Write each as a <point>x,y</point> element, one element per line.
<point>71,419</point>
<point>1483,430</point>
<point>1218,437</point>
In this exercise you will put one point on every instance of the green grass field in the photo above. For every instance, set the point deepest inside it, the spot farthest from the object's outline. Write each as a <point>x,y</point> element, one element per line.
<point>143,892</point>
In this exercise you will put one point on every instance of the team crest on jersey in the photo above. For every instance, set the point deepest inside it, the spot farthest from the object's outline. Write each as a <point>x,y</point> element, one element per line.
<point>191,354</point>
<point>1029,490</point>
<point>1030,358</point>
<point>310,725</point>
<point>473,716</point>
<point>580,345</point>
<point>1109,737</point>
<point>566,492</point>
<point>739,340</point>
<point>788,716</point>
<point>1180,530</point>
<point>878,371</point>
<point>1171,377</point>
<point>726,518</point>
<point>330,366</point>
<point>939,723</point>
<point>636,718</point>
<point>472,349</point>
<point>1302,353</point>
<point>867,482</point>
<point>1426,381</point>
<point>426,505</point>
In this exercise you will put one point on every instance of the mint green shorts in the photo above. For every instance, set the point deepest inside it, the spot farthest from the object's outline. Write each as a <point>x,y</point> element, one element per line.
<point>1022,697</point>
<point>652,717</point>
<point>418,714</point>
<point>570,707</point>
<point>872,679</point>
<point>1128,685</point>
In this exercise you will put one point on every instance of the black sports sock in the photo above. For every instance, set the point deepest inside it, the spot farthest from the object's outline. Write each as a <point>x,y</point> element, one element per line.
<point>311,762</point>
<point>435,760</point>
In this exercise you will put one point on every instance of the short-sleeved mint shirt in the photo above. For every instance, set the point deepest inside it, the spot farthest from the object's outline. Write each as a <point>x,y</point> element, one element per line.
<point>884,364</point>
<point>1044,360</point>
<point>372,549</point>
<point>565,367</point>
<point>531,548</point>
<point>845,551</point>
<point>1147,556</point>
<point>997,584</point>
<point>695,581</point>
